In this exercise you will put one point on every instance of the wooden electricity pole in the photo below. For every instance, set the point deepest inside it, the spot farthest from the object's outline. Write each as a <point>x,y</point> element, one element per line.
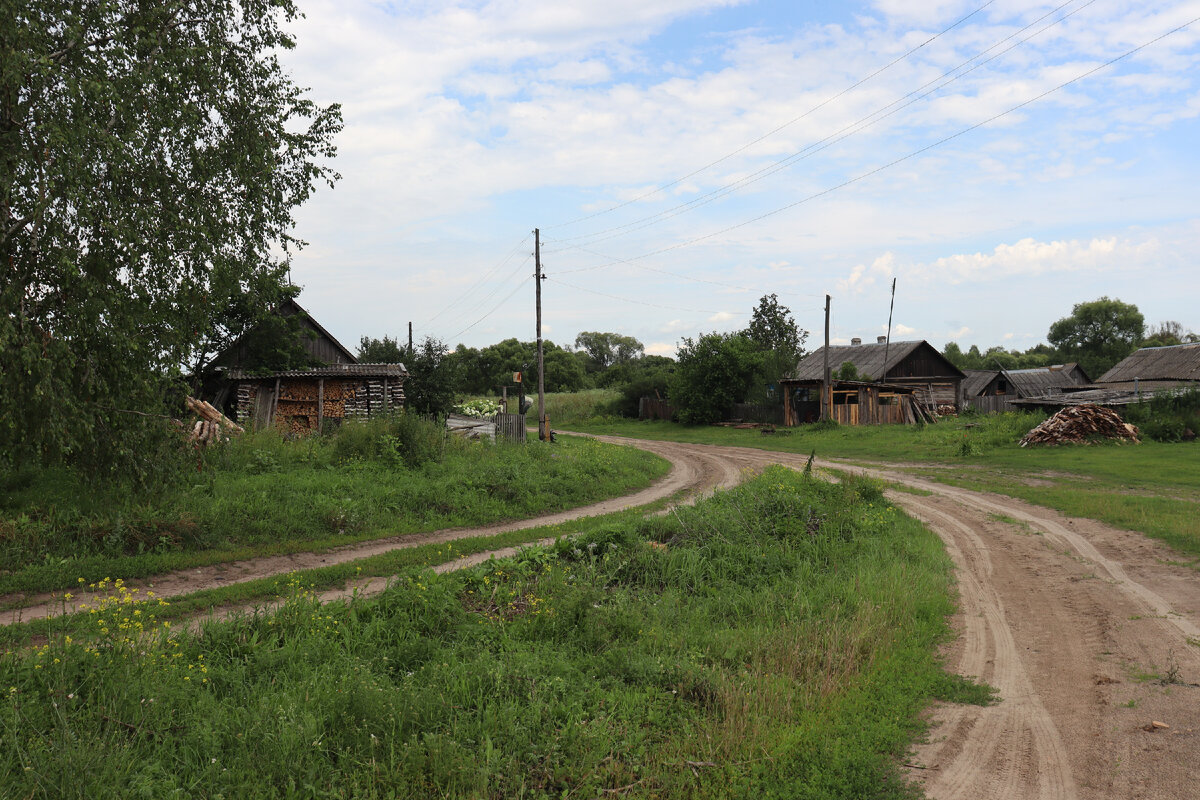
<point>826,386</point>
<point>543,434</point>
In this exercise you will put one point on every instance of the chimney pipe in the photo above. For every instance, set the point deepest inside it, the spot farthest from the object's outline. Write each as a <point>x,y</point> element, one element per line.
<point>880,339</point>
<point>855,342</point>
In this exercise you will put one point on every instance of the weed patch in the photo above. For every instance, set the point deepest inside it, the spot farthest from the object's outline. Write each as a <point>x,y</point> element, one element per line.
<point>728,647</point>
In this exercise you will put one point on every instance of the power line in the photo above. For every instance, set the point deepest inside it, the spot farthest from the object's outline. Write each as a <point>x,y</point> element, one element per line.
<point>909,156</point>
<point>845,132</point>
<point>638,302</point>
<point>500,286</point>
<point>774,131</point>
<point>461,297</point>
<point>495,308</point>
<point>613,261</point>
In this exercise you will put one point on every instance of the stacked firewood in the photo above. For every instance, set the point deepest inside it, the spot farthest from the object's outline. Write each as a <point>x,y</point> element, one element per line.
<point>1080,424</point>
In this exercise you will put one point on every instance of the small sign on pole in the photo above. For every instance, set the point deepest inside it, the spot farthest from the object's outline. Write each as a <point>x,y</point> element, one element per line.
<point>516,377</point>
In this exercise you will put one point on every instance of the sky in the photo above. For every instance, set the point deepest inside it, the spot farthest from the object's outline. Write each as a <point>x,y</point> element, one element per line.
<point>683,158</point>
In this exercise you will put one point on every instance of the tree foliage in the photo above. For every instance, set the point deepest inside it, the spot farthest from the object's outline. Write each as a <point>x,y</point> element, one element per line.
<point>485,370</point>
<point>712,373</point>
<point>381,351</point>
<point>607,349</point>
<point>773,329</point>
<point>1098,334</point>
<point>151,155</point>
<point>432,382</point>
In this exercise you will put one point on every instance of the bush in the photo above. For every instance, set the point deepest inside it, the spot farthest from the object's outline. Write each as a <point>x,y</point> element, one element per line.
<point>1166,418</point>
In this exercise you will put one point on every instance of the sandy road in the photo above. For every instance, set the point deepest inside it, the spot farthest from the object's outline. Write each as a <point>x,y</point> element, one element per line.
<point>1091,634</point>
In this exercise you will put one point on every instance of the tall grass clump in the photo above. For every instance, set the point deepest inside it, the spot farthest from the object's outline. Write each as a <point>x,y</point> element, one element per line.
<point>777,639</point>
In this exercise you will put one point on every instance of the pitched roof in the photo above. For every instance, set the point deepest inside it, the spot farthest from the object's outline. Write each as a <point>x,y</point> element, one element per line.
<point>1041,380</point>
<point>976,380</point>
<point>330,371</point>
<point>1180,362</point>
<point>868,359</point>
<point>350,357</point>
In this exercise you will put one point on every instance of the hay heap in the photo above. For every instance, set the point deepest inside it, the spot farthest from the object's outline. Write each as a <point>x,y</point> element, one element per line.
<point>1081,424</point>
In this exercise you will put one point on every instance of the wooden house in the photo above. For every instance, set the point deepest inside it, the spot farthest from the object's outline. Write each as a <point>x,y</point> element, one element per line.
<point>995,390</point>
<point>897,382</point>
<point>298,401</point>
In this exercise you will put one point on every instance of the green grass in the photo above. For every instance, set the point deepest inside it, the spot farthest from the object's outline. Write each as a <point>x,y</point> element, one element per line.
<point>777,640</point>
<point>1153,487</point>
<point>262,495</point>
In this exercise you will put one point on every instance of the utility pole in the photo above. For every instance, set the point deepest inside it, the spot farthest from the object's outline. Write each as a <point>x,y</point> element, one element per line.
<point>543,433</point>
<point>410,350</point>
<point>826,386</point>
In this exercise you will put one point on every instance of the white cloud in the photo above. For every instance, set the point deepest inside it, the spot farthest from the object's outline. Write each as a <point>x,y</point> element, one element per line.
<point>1029,257</point>
<point>662,349</point>
<point>961,332</point>
<point>466,125</point>
<point>904,330</point>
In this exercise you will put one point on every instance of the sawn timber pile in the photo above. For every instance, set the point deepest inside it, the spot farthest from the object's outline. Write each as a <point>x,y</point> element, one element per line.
<point>1080,424</point>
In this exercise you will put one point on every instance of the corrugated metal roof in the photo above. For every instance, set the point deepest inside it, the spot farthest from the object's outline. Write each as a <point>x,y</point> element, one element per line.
<point>866,358</point>
<point>1180,362</point>
<point>331,371</point>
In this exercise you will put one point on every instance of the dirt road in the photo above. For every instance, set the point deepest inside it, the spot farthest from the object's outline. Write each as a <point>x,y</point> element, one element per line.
<point>1090,634</point>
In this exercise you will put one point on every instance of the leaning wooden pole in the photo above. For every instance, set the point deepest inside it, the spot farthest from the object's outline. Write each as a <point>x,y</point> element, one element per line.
<point>826,386</point>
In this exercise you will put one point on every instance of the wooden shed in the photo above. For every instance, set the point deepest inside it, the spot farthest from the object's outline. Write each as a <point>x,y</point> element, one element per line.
<point>995,390</point>
<point>302,401</point>
<point>915,370</point>
<point>854,403</point>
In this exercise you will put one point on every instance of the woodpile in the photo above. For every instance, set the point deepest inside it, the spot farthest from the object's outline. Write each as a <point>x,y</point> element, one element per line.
<point>207,412</point>
<point>208,429</point>
<point>1081,424</point>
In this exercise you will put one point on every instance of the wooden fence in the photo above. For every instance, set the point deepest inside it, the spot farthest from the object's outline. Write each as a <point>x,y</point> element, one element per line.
<point>757,412</point>
<point>511,426</point>
<point>653,408</point>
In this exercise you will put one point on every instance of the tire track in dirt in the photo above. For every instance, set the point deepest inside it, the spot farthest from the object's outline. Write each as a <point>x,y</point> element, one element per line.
<point>694,472</point>
<point>1088,632</point>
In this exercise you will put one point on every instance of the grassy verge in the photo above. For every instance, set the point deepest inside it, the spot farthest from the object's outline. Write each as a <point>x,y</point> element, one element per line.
<point>264,591</point>
<point>777,640</point>
<point>262,495</point>
<point>1153,487</point>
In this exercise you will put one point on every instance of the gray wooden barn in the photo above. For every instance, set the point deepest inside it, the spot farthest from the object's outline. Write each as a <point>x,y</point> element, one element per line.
<point>995,390</point>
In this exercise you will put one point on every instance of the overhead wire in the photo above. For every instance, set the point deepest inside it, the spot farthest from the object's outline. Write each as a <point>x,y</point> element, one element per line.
<point>904,158</point>
<point>463,296</point>
<point>845,132</point>
<point>632,300</point>
<point>776,130</point>
<point>500,286</point>
<point>492,311</point>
